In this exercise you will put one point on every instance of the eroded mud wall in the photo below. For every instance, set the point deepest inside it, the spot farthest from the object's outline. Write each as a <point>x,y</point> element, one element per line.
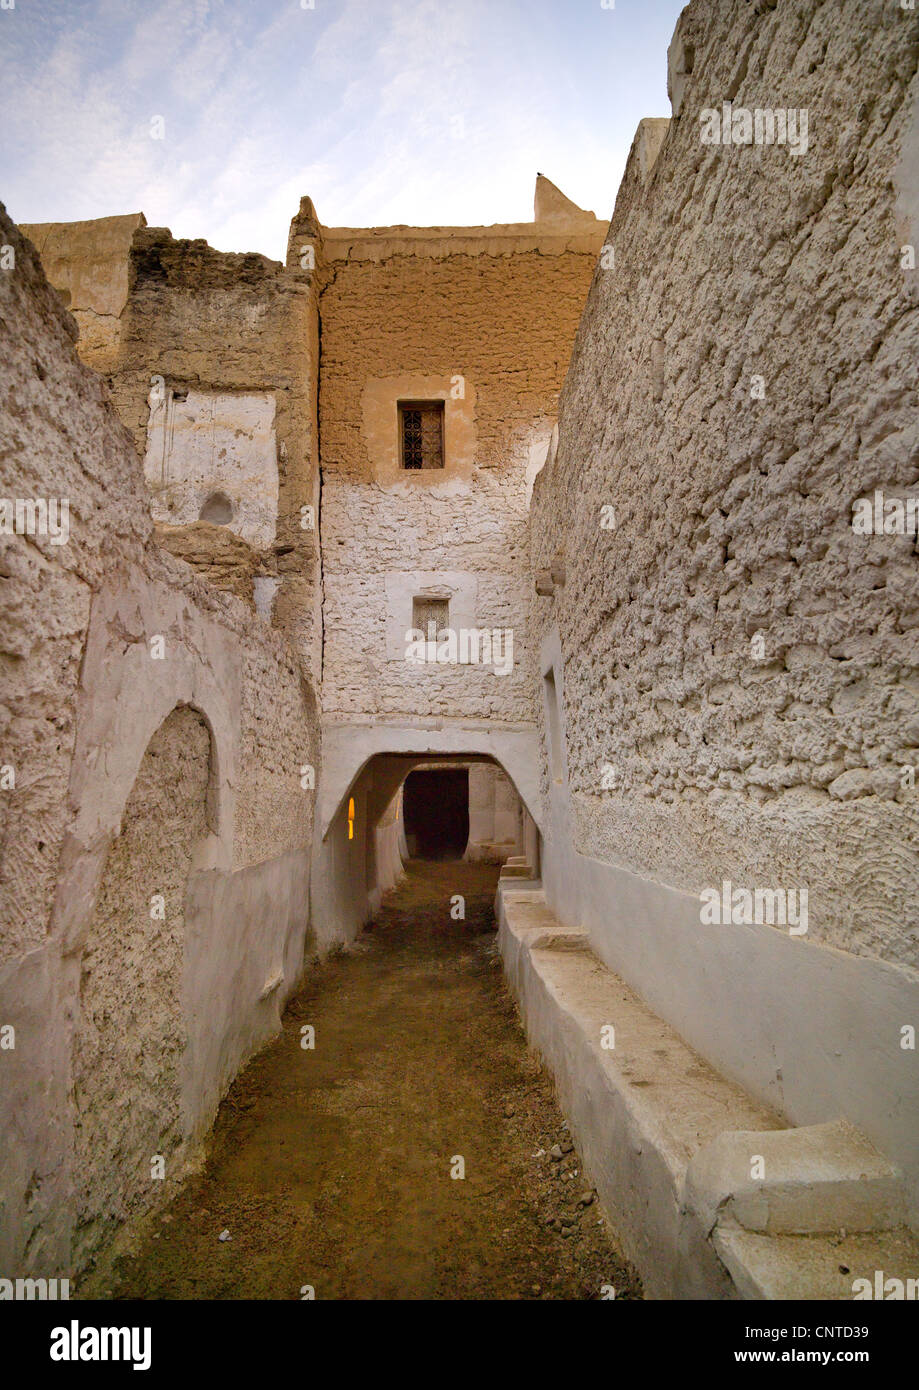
<point>212,361</point>
<point>482,319</point>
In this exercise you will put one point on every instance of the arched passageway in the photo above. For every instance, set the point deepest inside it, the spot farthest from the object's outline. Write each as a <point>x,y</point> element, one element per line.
<point>436,803</point>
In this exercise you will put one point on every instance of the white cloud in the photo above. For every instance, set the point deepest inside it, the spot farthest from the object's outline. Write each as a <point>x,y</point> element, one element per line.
<point>419,111</point>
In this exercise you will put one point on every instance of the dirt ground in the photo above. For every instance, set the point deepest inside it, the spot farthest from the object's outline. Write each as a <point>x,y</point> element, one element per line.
<point>331,1167</point>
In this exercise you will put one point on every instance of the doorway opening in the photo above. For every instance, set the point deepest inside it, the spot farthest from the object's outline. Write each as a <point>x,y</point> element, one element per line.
<point>435,809</point>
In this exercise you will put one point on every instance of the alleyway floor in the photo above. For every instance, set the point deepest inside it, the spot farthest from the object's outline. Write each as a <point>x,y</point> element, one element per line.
<point>331,1167</point>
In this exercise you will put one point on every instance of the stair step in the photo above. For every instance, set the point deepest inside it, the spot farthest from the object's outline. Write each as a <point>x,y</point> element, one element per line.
<point>806,1180</point>
<point>668,1141</point>
<point>820,1266</point>
<point>541,928</point>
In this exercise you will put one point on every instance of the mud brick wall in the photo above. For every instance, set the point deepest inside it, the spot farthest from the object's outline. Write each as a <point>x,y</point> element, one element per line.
<point>504,321</point>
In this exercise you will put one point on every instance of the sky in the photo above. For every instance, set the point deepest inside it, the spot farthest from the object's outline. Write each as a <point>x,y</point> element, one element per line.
<point>214,117</point>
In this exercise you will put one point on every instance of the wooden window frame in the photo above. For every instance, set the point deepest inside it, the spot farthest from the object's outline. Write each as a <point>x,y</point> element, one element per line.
<point>437,406</point>
<point>429,599</point>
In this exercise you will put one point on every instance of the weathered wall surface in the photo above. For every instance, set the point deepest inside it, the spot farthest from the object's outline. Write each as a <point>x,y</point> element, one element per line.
<point>212,456</point>
<point>212,361</point>
<point>736,666</point>
<point>104,637</point>
<point>88,264</point>
<point>733,512</point>
<point>482,318</point>
<point>218,325</point>
<point>225,560</point>
<point>130,1036</point>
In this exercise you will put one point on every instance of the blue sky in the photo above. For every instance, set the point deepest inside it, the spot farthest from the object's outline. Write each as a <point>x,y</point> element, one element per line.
<point>384,111</point>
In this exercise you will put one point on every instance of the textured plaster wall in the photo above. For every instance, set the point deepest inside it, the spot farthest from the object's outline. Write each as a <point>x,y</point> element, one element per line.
<point>103,637</point>
<point>58,440</point>
<point>88,264</point>
<point>213,445</point>
<point>130,1036</point>
<point>225,329</point>
<point>779,764</point>
<point>490,313</point>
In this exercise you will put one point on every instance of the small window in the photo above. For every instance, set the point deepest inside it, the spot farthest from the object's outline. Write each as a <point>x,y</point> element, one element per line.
<point>427,611</point>
<point>421,433</point>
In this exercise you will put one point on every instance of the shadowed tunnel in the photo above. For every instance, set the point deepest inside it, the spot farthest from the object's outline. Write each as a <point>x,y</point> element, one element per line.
<point>436,813</point>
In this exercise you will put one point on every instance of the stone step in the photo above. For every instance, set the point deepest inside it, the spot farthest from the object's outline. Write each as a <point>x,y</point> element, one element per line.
<point>638,1109</point>
<point>541,928</point>
<point>820,1266</point>
<point>806,1180</point>
<point>669,1143</point>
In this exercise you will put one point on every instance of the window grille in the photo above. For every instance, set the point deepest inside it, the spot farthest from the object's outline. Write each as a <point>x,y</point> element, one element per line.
<point>428,611</point>
<point>421,428</point>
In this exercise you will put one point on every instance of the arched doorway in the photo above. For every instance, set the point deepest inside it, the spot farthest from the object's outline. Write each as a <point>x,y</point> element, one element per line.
<point>130,1034</point>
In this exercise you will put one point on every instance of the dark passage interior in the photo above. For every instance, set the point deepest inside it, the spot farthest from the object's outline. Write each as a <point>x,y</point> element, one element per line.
<point>435,808</point>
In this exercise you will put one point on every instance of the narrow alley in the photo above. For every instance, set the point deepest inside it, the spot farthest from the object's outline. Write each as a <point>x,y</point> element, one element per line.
<point>330,1167</point>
